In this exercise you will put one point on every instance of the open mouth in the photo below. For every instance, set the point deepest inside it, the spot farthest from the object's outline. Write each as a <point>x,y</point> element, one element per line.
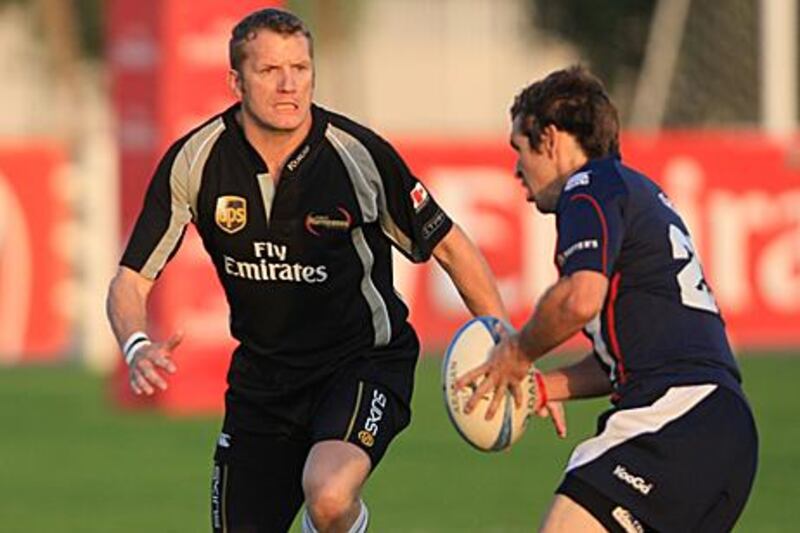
<point>286,107</point>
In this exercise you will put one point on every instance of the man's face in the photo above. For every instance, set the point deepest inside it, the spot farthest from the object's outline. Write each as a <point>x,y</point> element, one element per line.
<point>536,168</point>
<point>275,81</point>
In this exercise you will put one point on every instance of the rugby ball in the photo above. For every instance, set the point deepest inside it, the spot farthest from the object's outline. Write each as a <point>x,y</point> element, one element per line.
<point>470,348</point>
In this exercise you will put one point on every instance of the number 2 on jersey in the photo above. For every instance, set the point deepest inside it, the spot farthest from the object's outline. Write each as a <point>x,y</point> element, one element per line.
<point>694,288</point>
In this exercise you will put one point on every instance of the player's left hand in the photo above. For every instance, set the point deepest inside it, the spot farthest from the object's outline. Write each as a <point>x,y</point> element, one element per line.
<point>555,411</point>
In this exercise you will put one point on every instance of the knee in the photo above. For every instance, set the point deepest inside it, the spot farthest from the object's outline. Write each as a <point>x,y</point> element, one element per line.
<point>328,503</point>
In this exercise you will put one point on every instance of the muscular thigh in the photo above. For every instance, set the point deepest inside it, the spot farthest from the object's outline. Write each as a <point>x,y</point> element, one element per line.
<point>670,464</point>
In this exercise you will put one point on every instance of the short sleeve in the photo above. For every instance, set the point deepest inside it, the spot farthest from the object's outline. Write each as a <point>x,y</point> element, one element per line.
<point>162,221</point>
<point>410,216</point>
<point>590,231</point>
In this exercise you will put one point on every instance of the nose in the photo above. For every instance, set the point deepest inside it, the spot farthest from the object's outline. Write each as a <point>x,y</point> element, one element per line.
<point>287,82</point>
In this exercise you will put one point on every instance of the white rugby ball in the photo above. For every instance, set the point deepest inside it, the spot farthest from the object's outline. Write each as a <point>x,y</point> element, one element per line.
<point>470,348</point>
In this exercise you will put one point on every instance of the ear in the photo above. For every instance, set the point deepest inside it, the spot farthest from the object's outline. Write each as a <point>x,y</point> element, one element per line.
<point>550,140</point>
<point>235,83</point>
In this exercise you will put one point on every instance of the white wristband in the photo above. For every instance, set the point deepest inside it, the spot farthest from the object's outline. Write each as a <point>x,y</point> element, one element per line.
<point>135,342</point>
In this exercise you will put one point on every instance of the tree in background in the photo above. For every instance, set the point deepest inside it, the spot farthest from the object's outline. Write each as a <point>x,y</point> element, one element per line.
<point>715,77</point>
<point>610,35</point>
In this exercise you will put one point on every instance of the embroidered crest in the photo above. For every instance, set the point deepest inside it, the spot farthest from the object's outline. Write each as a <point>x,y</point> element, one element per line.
<point>231,213</point>
<point>340,222</point>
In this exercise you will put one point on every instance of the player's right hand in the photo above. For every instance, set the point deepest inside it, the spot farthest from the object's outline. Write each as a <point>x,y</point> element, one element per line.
<point>148,364</point>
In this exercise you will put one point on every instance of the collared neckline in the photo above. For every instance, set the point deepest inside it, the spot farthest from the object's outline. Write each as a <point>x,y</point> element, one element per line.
<point>294,163</point>
<point>587,168</point>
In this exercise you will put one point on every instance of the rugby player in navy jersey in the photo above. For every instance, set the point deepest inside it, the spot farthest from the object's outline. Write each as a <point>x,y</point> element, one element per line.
<point>298,208</point>
<point>678,449</point>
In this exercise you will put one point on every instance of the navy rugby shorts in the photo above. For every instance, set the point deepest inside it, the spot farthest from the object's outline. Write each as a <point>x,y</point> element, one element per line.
<point>682,462</point>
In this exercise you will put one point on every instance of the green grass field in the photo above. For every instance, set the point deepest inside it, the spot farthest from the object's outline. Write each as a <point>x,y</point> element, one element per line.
<point>70,462</point>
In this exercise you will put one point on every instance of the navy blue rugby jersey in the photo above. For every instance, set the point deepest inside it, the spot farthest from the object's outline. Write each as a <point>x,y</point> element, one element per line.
<point>305,264</point>
<point>660,324</point>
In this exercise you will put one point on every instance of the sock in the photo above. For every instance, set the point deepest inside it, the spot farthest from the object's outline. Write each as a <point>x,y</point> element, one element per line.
<point>359,526</point>
<point>307,525</point>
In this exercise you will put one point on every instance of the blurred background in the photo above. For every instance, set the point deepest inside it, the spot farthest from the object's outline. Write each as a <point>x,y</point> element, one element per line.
<point>93,91</point>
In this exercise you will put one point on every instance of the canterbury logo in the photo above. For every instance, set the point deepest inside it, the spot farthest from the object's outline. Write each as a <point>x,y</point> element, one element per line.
<point>231,213</point>
<point>314,223</point>
<point>224,440</point>
<point>636,482</point>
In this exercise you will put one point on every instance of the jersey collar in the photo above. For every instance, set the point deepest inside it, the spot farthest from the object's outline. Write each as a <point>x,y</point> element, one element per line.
<point>294,163</point>
<point>588,167</point>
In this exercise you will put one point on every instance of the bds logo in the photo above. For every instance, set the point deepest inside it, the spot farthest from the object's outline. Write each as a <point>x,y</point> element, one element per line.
<point>370,431</point>
<point>231,213</point>
<point>366,438</point>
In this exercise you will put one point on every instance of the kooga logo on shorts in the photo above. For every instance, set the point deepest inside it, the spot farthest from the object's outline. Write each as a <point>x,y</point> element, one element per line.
<point>636,482</point>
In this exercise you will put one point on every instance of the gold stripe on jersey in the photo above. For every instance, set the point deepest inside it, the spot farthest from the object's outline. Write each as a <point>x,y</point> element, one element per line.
<point>184,181</point>
<point>380,313</point>
<point>368,186</point>
<point>372,201</point>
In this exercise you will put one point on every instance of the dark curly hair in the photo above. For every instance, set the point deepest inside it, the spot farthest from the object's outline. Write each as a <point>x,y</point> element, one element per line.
<point>574,101</point>
<point>271,19</point>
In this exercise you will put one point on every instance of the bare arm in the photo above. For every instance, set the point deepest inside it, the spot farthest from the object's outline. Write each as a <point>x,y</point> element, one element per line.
<point>563,310</point>
<point>126,307</point>
<point>470,273</point>
<point>584,379</point>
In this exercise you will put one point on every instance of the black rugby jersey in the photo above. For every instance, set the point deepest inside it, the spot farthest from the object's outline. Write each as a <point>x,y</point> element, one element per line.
<point>305,265</point>
<point>660,324</point>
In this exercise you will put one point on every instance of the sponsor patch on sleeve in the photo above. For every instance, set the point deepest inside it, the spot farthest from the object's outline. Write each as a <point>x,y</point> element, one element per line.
<point>430,227</point>
<point>419,197</point>
<point>588,244</point>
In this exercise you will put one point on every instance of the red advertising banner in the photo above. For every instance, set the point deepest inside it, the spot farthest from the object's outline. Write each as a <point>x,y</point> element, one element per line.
<point>34,253</point>
<point>169,61</point>
<point>738,192</point>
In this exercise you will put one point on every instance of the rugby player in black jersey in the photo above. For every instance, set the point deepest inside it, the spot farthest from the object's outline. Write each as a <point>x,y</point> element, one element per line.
<point>298,209</point>
<point>678,449</point>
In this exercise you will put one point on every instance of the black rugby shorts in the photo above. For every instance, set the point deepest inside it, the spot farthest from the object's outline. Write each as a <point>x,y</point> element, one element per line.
<point>261,451</point>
